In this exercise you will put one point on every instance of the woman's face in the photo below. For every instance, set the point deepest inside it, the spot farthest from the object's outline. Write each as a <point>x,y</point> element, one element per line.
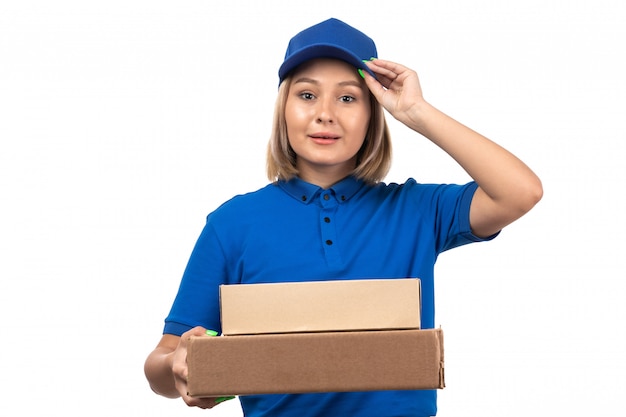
<point>327,115</point>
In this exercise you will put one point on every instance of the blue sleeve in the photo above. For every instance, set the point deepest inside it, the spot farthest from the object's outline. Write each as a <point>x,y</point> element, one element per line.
<point>446,207</point>
<point>453,216</point>
<point>197,300</point>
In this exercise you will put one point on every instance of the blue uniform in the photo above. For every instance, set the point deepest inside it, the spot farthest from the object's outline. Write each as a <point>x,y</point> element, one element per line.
<point>295,231</point>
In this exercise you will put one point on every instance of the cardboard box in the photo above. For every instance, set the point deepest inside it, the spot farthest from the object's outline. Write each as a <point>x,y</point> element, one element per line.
<point>339,305</point>
<point>315,362</point>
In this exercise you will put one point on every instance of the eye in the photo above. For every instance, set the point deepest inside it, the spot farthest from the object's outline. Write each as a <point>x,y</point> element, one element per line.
<point>346,99</point>
<point>307,96</point>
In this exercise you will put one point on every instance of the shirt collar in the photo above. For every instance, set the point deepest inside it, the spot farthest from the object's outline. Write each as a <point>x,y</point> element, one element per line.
<point>305,192</point>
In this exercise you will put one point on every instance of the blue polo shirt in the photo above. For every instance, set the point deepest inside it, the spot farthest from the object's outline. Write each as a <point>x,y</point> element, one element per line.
<point>296,231</point>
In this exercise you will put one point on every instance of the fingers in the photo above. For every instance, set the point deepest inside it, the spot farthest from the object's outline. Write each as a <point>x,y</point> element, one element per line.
<point>179,362</point>
<point>196,331</point>
<point>396,88</point>
<point>388,84</point>
<point>386,71</point>
<point>374,85</point>
<point>206,403</point>
<point>181,370</point>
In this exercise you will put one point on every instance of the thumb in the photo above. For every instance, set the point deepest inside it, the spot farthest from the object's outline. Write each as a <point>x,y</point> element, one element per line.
<point>374,86</point>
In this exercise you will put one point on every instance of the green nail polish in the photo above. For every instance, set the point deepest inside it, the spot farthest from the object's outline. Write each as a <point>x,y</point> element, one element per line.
<point>222,399</point>
<point>361,73</point>
<point>211,333</point>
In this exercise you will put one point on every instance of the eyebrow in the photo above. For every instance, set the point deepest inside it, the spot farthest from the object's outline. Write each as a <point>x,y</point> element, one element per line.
<point>313,81</point>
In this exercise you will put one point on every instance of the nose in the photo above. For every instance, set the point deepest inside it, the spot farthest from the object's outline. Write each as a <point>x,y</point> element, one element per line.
<point>325,113</point>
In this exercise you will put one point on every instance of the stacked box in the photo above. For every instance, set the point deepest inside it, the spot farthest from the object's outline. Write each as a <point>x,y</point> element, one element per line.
<point>326,336</point>
<point>320,306</point>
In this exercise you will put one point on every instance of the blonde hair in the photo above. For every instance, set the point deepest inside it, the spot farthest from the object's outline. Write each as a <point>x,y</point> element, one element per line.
<point>373,159</point>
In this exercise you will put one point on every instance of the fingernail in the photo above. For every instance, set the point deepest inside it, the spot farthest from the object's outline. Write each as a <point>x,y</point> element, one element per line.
<point>373,58</point>
<point>361,73</point>
<point>222,399</point>
<point>211,332</point>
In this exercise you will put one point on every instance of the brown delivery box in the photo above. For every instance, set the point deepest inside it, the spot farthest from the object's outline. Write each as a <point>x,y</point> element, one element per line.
<point>315,362</point>
<point>320,306</point>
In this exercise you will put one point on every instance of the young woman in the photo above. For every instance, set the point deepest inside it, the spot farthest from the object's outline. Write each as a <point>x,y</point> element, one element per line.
<point>327,215</point>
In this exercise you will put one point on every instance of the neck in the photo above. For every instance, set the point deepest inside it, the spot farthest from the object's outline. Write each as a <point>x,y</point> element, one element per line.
<point>323,178</point>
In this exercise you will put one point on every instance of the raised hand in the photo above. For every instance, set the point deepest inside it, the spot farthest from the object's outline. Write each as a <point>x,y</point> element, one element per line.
<point>398,89</point>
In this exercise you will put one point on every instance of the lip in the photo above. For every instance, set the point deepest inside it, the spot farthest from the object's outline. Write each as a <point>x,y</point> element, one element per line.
<point>324,136</point>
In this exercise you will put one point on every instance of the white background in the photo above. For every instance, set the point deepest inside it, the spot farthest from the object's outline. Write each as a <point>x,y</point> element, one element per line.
<point>123,123</point>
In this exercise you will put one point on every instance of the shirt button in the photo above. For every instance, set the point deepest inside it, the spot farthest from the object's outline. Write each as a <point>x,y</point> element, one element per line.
<point>343,198</point>
<point>303,198</point>
<point>329,242</point>
<point>327,219</point>
<point>326,197</point>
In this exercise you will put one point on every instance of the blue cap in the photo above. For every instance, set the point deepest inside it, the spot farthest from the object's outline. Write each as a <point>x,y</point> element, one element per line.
<point>331,38</point>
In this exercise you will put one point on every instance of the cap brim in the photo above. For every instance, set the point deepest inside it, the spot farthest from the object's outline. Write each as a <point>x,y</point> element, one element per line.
<point>321,51</point>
